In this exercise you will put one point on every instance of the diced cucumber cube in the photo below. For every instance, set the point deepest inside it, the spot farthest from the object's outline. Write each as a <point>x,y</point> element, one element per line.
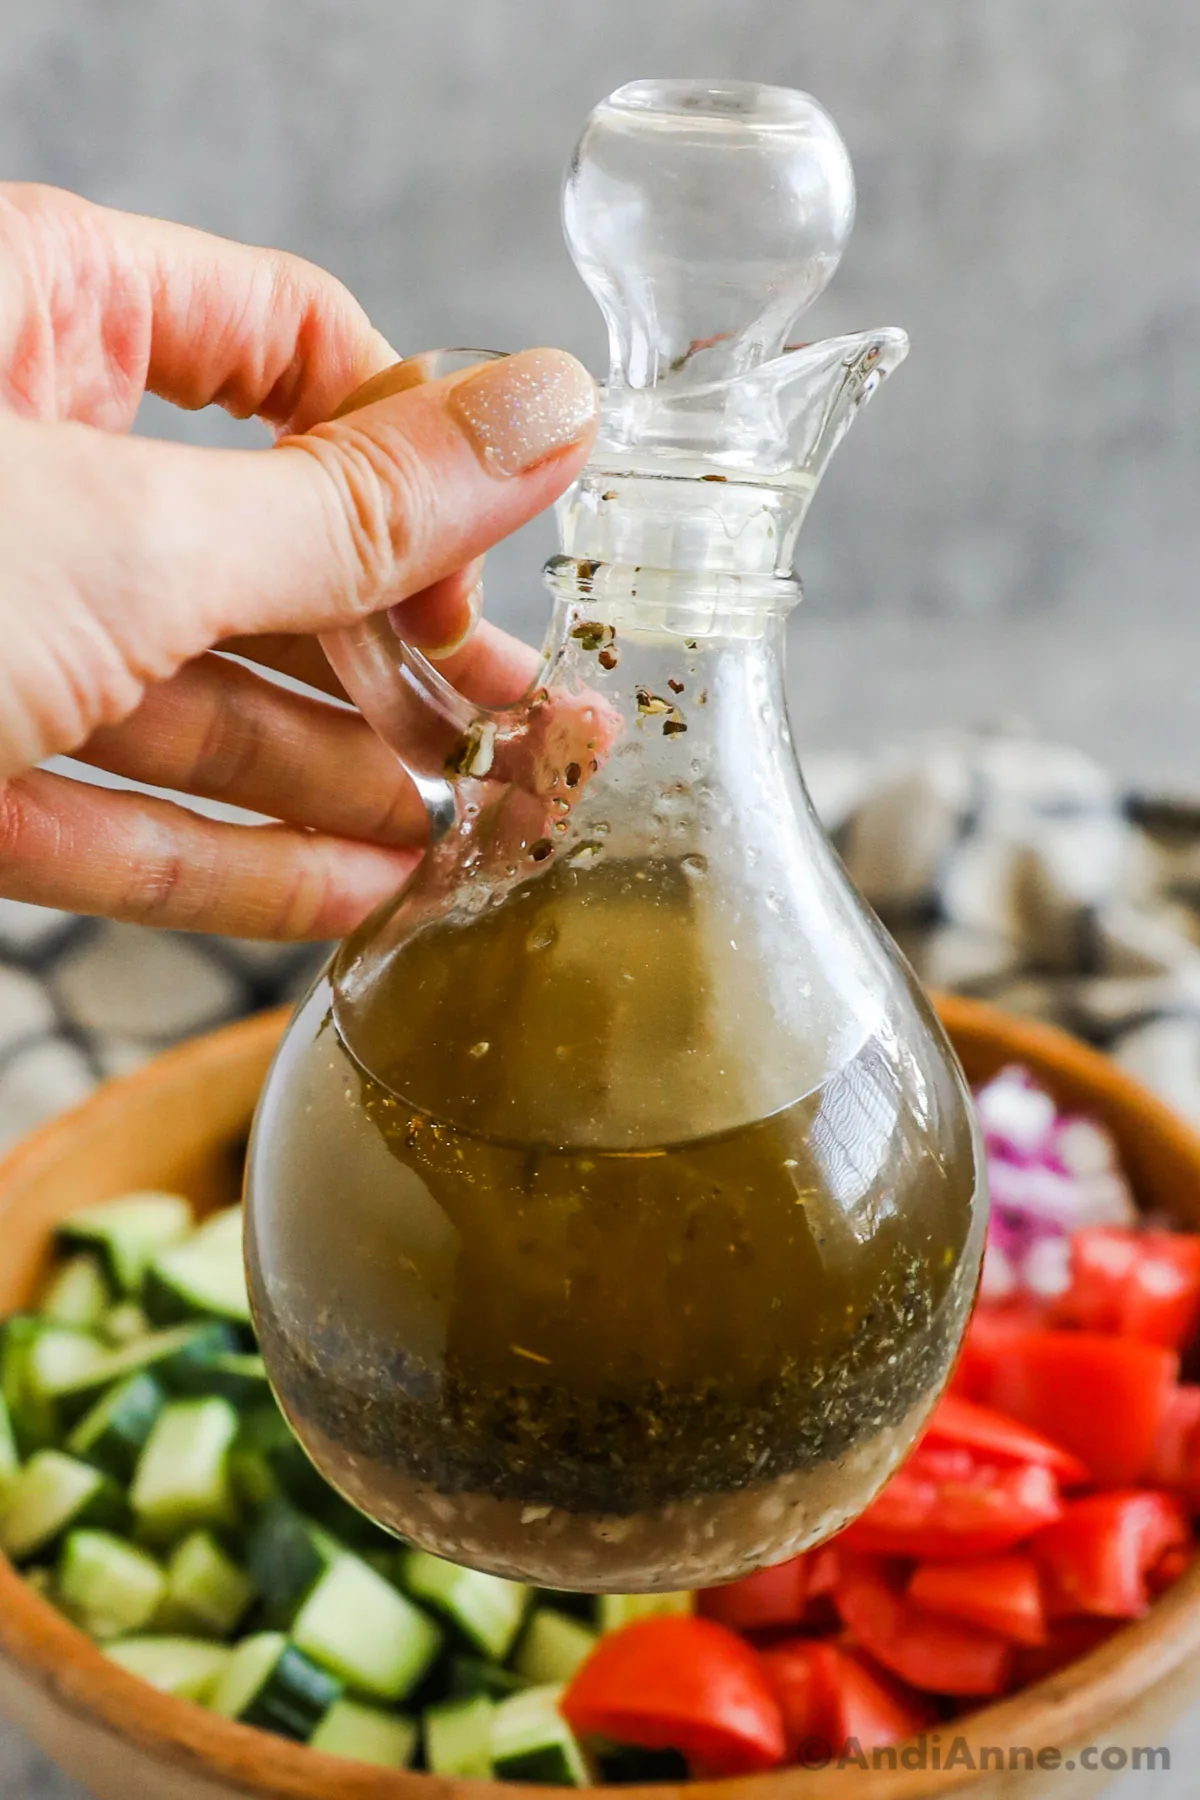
<point>365,1734</point>
<point>616,1610</point>
<point>458,1738</point>
<point>51,1495</point>
<point>107,1585</point>
<point>204,1276</point>
<point>33,1416</point>
<point>207,1595</point>
<point>358,1626</point>
<point>78,1294</point>
<point>10,1462</point>
<point>531,1741</point>
<point>286,1556</point>
<point>125,1324</point>
<point>114,1433</point>
<point>470,1675</point>
<point>185,1667</point>
<point>239,1378</point>
<point>182,1479</point>
<point>270,1683</point>
<point>486,1609</point>
<point>553,1645</point>
<point>164,1352</point>
<point>129,1232</point>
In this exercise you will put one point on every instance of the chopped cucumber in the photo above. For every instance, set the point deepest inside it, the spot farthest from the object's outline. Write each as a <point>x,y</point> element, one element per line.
<point>78,1294</point>
<point>286,1556</point>
<point>553,1646</point>
<point>270,1683</point>
<point>205,1276</point>
<point>52,1495</point>
<point>106,1585</point>
<point>458,1737</point>
<point>114,1433</point>
<point>10,1462</point>
<point>531,1741</point>
<point>165,1352</point>
<point>129,1232</point>
<point>185,1667</point>
<point>207,1595</point>
<point>486,1609</point>
<point>355,1624</point>
<point>235,1376</point>
<point>616,1610</point>
<point>364,1734</point>
<point>624,1765</point>
<point>33,1417</point>
<point>125,1324</point>
<point>470,1675</point>
<point>182,1479</point>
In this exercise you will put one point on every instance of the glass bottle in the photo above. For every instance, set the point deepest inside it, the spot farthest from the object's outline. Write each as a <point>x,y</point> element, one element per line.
<point>615,1206</point>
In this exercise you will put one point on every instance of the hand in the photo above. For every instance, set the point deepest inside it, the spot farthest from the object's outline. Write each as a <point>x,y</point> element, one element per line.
<point>129,569</point>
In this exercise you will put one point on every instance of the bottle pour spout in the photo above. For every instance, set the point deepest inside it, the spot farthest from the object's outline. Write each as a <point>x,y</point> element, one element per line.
<point>706,217</point>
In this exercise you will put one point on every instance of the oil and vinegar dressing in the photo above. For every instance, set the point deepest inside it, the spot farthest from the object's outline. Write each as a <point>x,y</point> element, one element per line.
<point>541,1288</point>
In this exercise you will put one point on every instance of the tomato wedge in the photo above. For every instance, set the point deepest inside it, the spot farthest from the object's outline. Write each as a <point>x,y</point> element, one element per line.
<point>934,1654</point>
<point>949,1501</point>
<point>680,1683</point>
<point>1135,1284</point>
<point>765,1601</point>
<point>1000,1593</point>
<point>1103,1398</point>
<point>830,1697</point>
<point>959,1421</point>
<point>1097,1557</point>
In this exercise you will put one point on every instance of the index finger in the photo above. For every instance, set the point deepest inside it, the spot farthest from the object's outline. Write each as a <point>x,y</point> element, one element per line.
<point>98,307</point>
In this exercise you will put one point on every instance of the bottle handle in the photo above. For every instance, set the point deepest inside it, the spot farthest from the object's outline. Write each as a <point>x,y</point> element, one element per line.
<point>436,733</point>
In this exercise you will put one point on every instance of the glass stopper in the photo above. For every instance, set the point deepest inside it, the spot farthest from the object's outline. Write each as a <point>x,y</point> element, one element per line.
<point>705,216</point>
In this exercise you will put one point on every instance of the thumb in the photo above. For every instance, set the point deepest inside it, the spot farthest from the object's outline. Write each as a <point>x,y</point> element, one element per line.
<point>125,557</point>
<point>376,506</point>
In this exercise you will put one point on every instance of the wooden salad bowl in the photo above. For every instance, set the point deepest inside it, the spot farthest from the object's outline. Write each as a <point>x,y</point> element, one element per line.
<point>180,1123</point>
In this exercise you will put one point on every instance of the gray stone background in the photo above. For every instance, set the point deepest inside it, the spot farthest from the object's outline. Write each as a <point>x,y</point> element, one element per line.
<point>1014,529</point>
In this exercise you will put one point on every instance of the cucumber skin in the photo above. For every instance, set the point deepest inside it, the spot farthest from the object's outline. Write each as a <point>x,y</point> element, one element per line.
<point>117,1445</point>
<point>295,1697</point>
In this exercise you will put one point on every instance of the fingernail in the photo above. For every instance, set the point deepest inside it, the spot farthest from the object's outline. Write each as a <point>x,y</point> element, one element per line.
<point>474,614</point>
<point>520,411</point>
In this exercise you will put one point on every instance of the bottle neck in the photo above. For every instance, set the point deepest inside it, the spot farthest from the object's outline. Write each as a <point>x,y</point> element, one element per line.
<point>679,689</point>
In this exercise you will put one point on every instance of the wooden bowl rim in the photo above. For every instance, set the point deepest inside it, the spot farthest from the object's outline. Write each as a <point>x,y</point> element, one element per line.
<point>1083,1701</point>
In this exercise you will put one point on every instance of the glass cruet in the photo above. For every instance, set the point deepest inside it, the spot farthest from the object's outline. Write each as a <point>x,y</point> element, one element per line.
<point>615,1206</point>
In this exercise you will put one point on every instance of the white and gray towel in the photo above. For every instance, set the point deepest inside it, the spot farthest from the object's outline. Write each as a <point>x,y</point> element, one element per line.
<point>1010,869</point>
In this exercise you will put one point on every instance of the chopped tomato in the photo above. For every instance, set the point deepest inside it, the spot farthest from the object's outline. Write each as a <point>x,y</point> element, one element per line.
<point>949,1501</point>
<point>1103,1398</point>
<point>958,1421</point>
<point>1175,1459</point>
<point>990,1331</point>
<point>1171,1565</point>
<point>932,1653</point>
<point>765,1601</point>
<point>829,1696</point>
<point>1067,1642</point>
<point>823,1571</point>
<point>680,1683</point>
<point>1097,1557</point>
<point>1135,1284</point>
<point>1001,1593</point>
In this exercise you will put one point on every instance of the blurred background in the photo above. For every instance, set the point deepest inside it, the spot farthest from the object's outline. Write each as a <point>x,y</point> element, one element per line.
<point>1013,531</point>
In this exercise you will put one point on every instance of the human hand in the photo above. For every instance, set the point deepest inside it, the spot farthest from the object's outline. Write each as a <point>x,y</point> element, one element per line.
<point>129,567</point>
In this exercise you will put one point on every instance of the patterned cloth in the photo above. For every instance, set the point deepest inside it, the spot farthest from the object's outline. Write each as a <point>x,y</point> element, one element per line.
<point>1008,869</point>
